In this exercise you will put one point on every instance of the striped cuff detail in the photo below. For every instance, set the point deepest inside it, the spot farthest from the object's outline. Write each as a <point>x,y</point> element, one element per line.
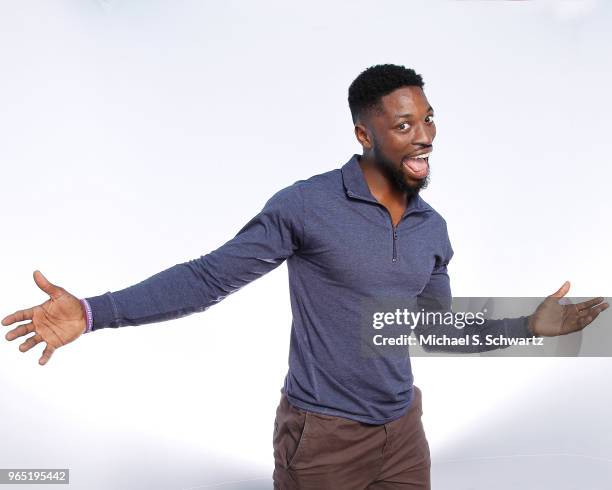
<point>89,316</point>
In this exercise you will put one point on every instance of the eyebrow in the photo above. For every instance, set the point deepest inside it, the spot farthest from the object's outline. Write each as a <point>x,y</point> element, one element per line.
<point>399,116</point>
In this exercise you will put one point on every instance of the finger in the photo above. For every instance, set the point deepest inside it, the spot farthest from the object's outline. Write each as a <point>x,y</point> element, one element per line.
<point>594,312</point>
<point>18,316</point>
<point>20,331</point>
<point>31,342</point>
<point>587,304</point>
<point>51,289</point>
<point>562,291</point>
<point>588,316</point>
<point>46,355</point>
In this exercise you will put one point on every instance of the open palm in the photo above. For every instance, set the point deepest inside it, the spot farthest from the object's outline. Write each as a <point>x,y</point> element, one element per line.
<point>552,318</point>
<point>58,321</point>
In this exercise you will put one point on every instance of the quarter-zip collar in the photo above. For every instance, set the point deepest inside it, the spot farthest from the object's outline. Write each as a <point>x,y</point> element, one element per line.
<point>355,186</point>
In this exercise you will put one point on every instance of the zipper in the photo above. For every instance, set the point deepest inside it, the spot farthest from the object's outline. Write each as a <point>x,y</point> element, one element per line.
<point>394,231</point>
<point>393,227</point>
<point>394,259</point>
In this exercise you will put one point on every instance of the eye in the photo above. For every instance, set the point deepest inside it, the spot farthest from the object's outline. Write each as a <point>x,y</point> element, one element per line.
<point>430,119</point>
<point>403,124</point>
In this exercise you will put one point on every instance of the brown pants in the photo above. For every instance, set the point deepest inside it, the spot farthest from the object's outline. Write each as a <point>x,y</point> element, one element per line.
<point>313,451</point>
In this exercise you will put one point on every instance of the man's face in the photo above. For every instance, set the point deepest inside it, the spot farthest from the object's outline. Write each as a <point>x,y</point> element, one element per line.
<point>402,132</point>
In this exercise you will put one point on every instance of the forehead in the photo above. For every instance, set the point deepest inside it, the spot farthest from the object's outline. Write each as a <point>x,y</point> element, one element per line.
<point>409,100</point>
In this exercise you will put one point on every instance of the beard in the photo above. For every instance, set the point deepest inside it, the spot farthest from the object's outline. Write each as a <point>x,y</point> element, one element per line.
<point>397,175</point>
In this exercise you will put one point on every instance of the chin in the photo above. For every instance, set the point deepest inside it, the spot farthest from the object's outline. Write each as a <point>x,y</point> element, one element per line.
<point>415,185</point>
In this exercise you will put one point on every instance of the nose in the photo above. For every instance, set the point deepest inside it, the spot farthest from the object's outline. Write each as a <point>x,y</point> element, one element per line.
<point>424,135</point>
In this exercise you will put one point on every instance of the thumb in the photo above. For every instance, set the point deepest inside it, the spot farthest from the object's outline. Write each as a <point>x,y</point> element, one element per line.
<point>51,289</point>
<point>562,291</point>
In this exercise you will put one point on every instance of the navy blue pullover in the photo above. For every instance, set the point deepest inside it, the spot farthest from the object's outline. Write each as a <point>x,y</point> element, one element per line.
<point>342,250</point>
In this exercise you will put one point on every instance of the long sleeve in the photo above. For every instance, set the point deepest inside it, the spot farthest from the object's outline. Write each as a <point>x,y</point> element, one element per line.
<point>437,297</point>
<point>260,246</point>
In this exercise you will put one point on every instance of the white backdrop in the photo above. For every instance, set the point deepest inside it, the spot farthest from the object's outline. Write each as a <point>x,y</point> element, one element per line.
<point>137,135</point>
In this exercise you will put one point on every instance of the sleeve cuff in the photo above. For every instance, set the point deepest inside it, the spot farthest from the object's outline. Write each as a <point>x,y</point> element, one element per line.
<point>519,328</point>
<point>88,315</point>
<point>103,311</point>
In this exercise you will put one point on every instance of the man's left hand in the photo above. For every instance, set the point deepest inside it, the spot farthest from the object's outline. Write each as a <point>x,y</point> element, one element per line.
<point>551,318</point>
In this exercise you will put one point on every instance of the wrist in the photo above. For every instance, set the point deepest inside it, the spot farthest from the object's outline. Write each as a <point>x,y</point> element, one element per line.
<point>531,326</point>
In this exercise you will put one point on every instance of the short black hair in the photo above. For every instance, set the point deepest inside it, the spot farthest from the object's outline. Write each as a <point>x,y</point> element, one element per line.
<point>365,92</point>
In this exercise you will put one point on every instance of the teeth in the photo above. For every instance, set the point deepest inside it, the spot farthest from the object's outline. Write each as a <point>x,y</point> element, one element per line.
<point>425,155</point>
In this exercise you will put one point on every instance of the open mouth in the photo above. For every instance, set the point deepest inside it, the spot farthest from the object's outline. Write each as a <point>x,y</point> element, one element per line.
<point>417,166</point>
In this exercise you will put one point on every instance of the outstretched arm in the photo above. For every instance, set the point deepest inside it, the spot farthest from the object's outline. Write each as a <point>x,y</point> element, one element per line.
<point>260,246</point>
<point>269,238</point>
<point>436,296</point>
<point>550,318</point>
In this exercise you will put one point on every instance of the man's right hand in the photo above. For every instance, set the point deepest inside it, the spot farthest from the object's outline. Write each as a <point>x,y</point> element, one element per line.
<point>58,321</point>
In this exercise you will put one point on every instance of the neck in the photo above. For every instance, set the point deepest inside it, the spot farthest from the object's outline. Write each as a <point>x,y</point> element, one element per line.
<point>381,187</point>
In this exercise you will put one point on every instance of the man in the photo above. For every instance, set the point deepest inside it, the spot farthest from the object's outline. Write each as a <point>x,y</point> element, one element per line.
<point>351,235</point>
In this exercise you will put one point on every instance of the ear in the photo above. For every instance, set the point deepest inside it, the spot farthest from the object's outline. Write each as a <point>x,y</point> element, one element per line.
<point>363,135</point>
